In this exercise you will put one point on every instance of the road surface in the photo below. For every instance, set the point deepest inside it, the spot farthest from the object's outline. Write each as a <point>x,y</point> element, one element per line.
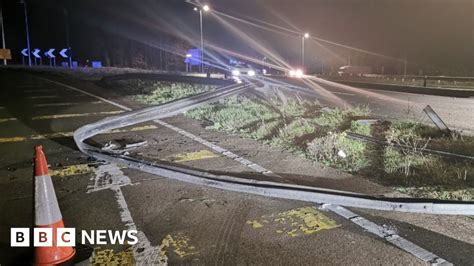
<point>181,223</point>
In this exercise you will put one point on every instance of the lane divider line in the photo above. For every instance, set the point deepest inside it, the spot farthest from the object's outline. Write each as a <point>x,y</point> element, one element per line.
<point>388,235</point>
<point>46,117</point>
<point>109,176</point>
<point>2,120</point>
<point>410,247</point>
<point>12,139</point>
<point>71,134</point>
<point>64,104</point>
<point>87,93</point>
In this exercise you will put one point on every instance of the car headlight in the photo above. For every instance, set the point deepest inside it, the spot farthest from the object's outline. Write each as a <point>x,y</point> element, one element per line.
<point>251,73</point>
<point>299,73</point>
<point>292,73</point>
<point>235,72</point>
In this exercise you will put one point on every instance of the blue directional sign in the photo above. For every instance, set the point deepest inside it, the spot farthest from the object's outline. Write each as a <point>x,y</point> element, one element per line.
<point>24,52</point>
<point>50,52</point>
<point>36,52</point>
<point>193,57</point>
<point>63,52</point>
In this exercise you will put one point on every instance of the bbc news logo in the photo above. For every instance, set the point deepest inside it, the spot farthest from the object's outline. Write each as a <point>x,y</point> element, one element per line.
<point>66,237</point>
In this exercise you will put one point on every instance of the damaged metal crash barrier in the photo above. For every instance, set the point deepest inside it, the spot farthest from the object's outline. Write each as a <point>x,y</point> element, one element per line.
<point>225,182</point>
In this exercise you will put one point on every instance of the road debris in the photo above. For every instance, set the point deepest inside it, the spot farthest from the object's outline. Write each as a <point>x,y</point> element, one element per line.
<point>123,146</point>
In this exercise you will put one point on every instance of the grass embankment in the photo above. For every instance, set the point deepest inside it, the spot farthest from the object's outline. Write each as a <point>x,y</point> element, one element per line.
<point>321,134</point>
<point>158,92</point>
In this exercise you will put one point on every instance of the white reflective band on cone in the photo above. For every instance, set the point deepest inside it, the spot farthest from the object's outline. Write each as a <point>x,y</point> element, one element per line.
<point>46,204</point>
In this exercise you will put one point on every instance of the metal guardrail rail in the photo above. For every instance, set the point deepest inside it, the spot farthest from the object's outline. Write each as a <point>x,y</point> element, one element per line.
<point>231,183</point>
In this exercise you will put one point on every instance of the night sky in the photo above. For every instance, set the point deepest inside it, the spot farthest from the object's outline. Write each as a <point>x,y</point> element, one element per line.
<point>436,33</point>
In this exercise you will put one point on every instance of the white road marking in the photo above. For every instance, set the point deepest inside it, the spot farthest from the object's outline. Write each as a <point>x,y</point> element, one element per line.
<point>109,176</point>
<point>46,117</point>
<point>64,104</point>
<point>7,119</point>
<point>90,94</point>
<point>400,242</point>
<point>387,234</point>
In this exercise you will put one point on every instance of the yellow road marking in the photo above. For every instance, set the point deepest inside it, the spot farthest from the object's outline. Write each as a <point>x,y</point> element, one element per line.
<point>64,104</point>
<point>142,128</point>
<point>70,134</point>
<point>44,117</point>
<point>180,245</point>
<point>296,222</point>
<point>7,119</point>
<point>13,139</point>
<point>52,135</point>
<point>255,224</point>
<point>71,170</point>
<point>109,257</point>
<point>193,156</point>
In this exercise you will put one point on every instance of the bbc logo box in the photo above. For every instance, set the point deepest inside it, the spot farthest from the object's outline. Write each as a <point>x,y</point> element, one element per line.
<point>43,237</point>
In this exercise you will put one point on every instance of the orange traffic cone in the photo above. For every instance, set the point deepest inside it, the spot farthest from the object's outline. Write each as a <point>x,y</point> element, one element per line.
<point>47,213</point>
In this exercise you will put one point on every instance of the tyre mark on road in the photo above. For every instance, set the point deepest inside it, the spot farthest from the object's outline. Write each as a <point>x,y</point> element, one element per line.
<point>223,238</point>
<point>228,239</point>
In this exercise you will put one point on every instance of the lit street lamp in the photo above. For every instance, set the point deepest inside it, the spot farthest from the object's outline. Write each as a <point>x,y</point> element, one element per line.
<point>204,8</point>
<point>305,36</point>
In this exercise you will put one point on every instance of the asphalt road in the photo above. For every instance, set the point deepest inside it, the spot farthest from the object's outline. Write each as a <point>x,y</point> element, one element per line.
<point>457,113</point>
<point>181,223</point>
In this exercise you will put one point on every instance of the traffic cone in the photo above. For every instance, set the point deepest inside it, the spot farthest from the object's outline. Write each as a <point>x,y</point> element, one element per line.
<point>47,213</point>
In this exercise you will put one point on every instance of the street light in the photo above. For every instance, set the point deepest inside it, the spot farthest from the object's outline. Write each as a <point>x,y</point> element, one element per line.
<point>305,36</point>
<point>204,8</point>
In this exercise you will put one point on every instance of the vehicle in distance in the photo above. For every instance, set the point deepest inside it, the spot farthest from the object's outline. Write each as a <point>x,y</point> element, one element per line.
<point>239,70</point>
<point>296,73</point>
<point>354,70</point>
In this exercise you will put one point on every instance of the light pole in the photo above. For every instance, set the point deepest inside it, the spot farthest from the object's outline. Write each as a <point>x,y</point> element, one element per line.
<point>27,31</point>
<point>305,36</point>
<point>3,32</point>
<point>204,8</point>
<point>68,44</point>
